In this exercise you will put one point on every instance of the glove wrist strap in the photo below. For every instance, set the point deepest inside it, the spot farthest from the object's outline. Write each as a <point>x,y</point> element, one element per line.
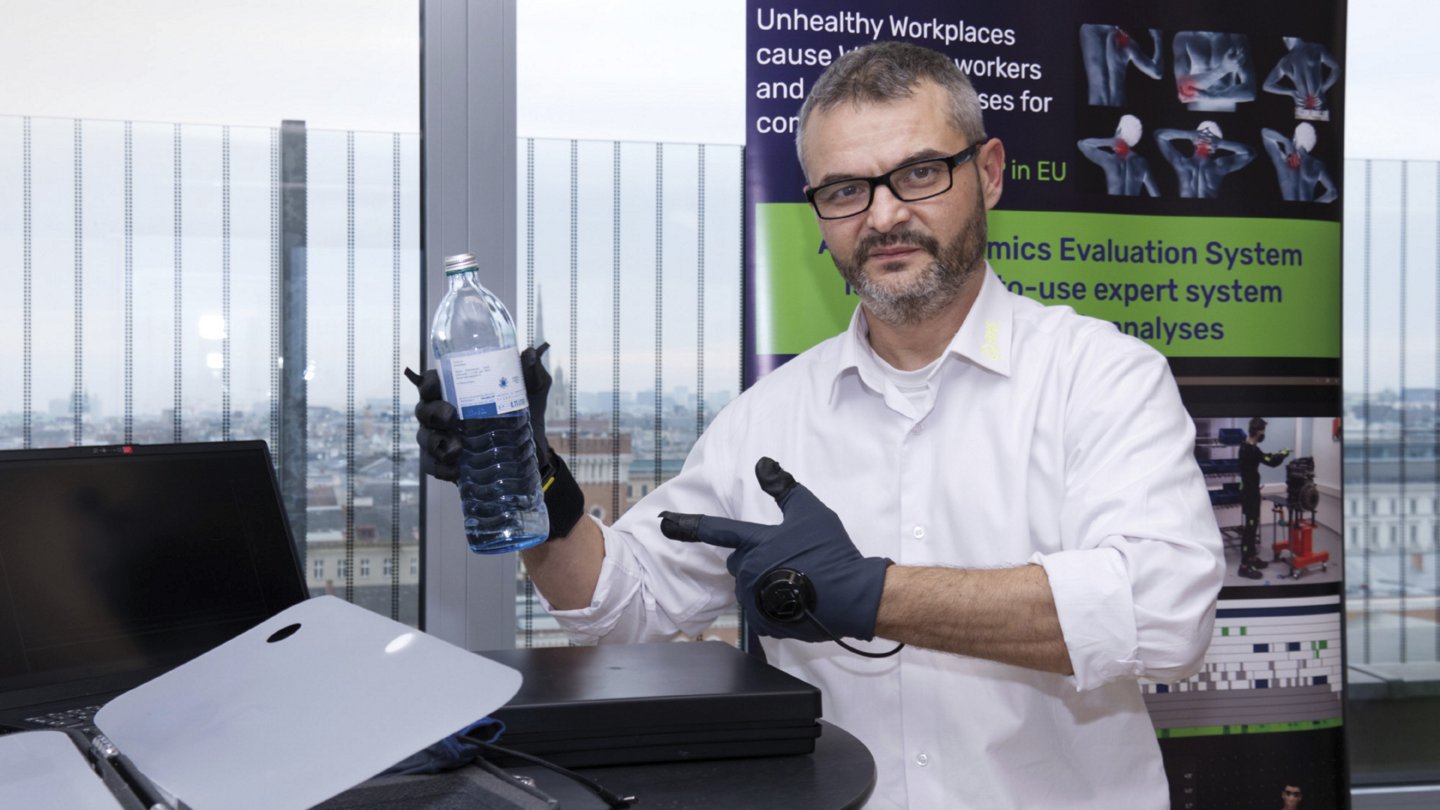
<point>563,498</point>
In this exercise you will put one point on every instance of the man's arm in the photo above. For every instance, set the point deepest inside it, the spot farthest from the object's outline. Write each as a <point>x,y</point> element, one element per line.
<point>1097,150</point>
<point>1163,139</point>
<point>566,569</point>
<point>1239,157</point>
<point>1146,63</point>
<point>1003,614</point>
<point>1324,181</point>
<point>1274,82</point>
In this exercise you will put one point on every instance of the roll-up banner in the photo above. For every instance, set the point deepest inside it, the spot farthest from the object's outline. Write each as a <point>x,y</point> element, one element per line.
<point>1174,169</point>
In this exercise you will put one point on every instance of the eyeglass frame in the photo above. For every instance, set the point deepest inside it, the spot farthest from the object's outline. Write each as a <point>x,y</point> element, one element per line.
<point>952,162</point>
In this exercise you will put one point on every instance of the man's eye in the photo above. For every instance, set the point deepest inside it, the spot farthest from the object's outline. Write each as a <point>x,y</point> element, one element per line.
<point>841,192</point>
<point>921,174</point>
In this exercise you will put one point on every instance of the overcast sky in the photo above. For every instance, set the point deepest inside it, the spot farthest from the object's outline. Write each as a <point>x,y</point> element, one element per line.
<point>649,70</point>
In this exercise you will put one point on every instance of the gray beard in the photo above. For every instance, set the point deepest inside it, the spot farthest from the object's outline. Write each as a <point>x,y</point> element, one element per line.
<point>934,288</point>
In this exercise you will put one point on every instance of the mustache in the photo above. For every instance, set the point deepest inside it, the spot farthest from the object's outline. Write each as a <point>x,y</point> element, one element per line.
<point>884,240</point>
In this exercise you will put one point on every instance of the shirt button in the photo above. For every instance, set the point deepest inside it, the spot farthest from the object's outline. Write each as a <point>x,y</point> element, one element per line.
<point>919,532</point>
<point>922,759</point>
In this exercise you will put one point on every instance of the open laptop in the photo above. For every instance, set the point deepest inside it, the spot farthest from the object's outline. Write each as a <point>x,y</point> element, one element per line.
<point>119,563</point>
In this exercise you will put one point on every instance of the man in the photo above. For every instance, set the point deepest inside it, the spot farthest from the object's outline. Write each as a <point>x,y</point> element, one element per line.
<point>1306,73</point>
<point>1210,158</point>
<point>1213,71</point>
<point>1108,50</point>
<point>1007,489</point>
<point>1251,457</point>
<point>1299,174</point>
<point>1127,172</point>
<point>1292,797</point>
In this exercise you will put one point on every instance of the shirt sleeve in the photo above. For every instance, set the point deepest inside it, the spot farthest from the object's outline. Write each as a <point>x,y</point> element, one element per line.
<point>1136,585</point>
<point>652,588</point>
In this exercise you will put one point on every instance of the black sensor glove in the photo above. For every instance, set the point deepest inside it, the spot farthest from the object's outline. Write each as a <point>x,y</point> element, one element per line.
<point>811,541</point>
<point>440,445</point>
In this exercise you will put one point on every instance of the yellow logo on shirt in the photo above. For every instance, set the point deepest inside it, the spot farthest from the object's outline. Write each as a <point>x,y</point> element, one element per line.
<point>991,346</point>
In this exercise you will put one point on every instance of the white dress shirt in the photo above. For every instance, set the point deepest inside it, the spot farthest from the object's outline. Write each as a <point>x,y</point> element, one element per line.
<point>1050,438</point>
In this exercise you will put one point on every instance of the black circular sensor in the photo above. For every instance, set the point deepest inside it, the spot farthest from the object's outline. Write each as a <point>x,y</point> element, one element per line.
<point>784,596</point>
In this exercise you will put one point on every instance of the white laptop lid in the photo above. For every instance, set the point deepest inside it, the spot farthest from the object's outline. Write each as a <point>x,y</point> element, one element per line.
<point>305,705</point>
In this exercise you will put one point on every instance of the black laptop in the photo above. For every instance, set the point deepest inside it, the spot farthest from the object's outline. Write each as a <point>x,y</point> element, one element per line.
<point>119,563</point>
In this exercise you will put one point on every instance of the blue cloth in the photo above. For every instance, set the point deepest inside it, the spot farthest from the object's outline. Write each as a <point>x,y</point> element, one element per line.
<point>451,752</point>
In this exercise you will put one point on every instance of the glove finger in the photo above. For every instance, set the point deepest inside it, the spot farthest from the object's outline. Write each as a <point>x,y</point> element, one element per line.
<point>437,415</point>
<point>443,447</point>
<point>436,469</point>
<point>428,384</point>
<point>537,379</point>
<point>537,353</point>
<point>773,479</point>
<point>716,531</point>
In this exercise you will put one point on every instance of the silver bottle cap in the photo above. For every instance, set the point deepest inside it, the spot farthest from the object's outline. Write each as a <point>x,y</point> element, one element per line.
<point>460,263</point>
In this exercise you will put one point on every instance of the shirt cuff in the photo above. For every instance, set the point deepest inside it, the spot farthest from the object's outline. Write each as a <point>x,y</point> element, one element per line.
<point>1091,588</point>
<point>619,580</point>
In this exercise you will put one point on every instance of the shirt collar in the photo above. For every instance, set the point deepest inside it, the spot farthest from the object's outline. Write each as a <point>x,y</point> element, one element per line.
<point>985,338</point>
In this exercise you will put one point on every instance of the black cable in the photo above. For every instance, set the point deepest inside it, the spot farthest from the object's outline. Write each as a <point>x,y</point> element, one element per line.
<point>614,800</point>
<point>811,616</point>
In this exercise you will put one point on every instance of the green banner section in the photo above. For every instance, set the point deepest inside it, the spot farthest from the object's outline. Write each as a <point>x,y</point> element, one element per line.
<point>1250,728</point>
<point>1189,286</point>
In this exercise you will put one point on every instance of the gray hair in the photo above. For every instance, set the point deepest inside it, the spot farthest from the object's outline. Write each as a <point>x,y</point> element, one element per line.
<point>889,71</point>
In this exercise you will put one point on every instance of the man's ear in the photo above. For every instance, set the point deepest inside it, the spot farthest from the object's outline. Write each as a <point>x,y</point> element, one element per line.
<point>991,162</point>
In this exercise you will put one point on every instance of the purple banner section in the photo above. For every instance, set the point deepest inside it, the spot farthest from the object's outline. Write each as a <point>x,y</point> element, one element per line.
<point>1065,86</point>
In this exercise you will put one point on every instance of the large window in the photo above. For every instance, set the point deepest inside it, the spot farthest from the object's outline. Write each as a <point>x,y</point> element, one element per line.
<point>1391,446</point>
<point>629,267</point>
<point>148,297</point>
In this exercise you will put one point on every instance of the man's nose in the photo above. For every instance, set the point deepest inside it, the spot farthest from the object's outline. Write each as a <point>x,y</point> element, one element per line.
<point>887,210</point>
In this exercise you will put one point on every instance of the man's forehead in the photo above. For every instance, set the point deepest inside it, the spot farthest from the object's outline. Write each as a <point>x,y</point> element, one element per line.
<point>877,133</point>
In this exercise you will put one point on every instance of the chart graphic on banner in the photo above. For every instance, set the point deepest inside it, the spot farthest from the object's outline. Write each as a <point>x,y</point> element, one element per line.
<point>1175,171</point>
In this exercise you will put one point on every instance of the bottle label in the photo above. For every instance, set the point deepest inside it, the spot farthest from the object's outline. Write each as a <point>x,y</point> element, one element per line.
<point>483,384</point>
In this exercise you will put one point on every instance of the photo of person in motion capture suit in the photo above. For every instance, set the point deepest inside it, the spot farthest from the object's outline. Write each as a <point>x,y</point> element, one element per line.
<point>1127,172</point>
<point>1301,176</point>
<point>1209,159</point>
<point>1251,457</point>
<point>1108,51</point>
<point>1305,74</point>
<point>964,478</point>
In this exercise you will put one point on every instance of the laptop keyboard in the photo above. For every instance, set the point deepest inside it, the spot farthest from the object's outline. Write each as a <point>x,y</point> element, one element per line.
<point>81,718</point>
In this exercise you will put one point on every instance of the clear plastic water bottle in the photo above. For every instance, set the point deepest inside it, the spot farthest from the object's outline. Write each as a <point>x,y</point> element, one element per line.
<point>474,342</point>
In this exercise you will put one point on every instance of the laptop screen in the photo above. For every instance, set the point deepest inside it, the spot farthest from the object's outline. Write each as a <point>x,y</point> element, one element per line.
<point>135,559</point>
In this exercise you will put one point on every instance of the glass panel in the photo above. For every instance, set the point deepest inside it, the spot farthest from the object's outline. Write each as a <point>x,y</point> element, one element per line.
<point>1392,396</point>
<point>640,338</point>
<point>1392,389</point>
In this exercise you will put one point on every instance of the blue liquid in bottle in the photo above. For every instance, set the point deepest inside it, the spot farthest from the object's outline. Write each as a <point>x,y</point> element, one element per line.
<point>474,342</point>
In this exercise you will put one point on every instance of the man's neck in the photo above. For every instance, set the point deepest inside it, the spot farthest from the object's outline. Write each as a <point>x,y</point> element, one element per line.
<point>912,346</point>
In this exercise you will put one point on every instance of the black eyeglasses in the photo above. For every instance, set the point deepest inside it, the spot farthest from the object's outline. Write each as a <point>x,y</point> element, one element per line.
<point>910,182</point>
<point>1292,793</point>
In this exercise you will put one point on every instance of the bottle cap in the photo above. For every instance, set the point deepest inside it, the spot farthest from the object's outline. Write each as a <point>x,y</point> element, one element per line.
<point>460,262</point>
